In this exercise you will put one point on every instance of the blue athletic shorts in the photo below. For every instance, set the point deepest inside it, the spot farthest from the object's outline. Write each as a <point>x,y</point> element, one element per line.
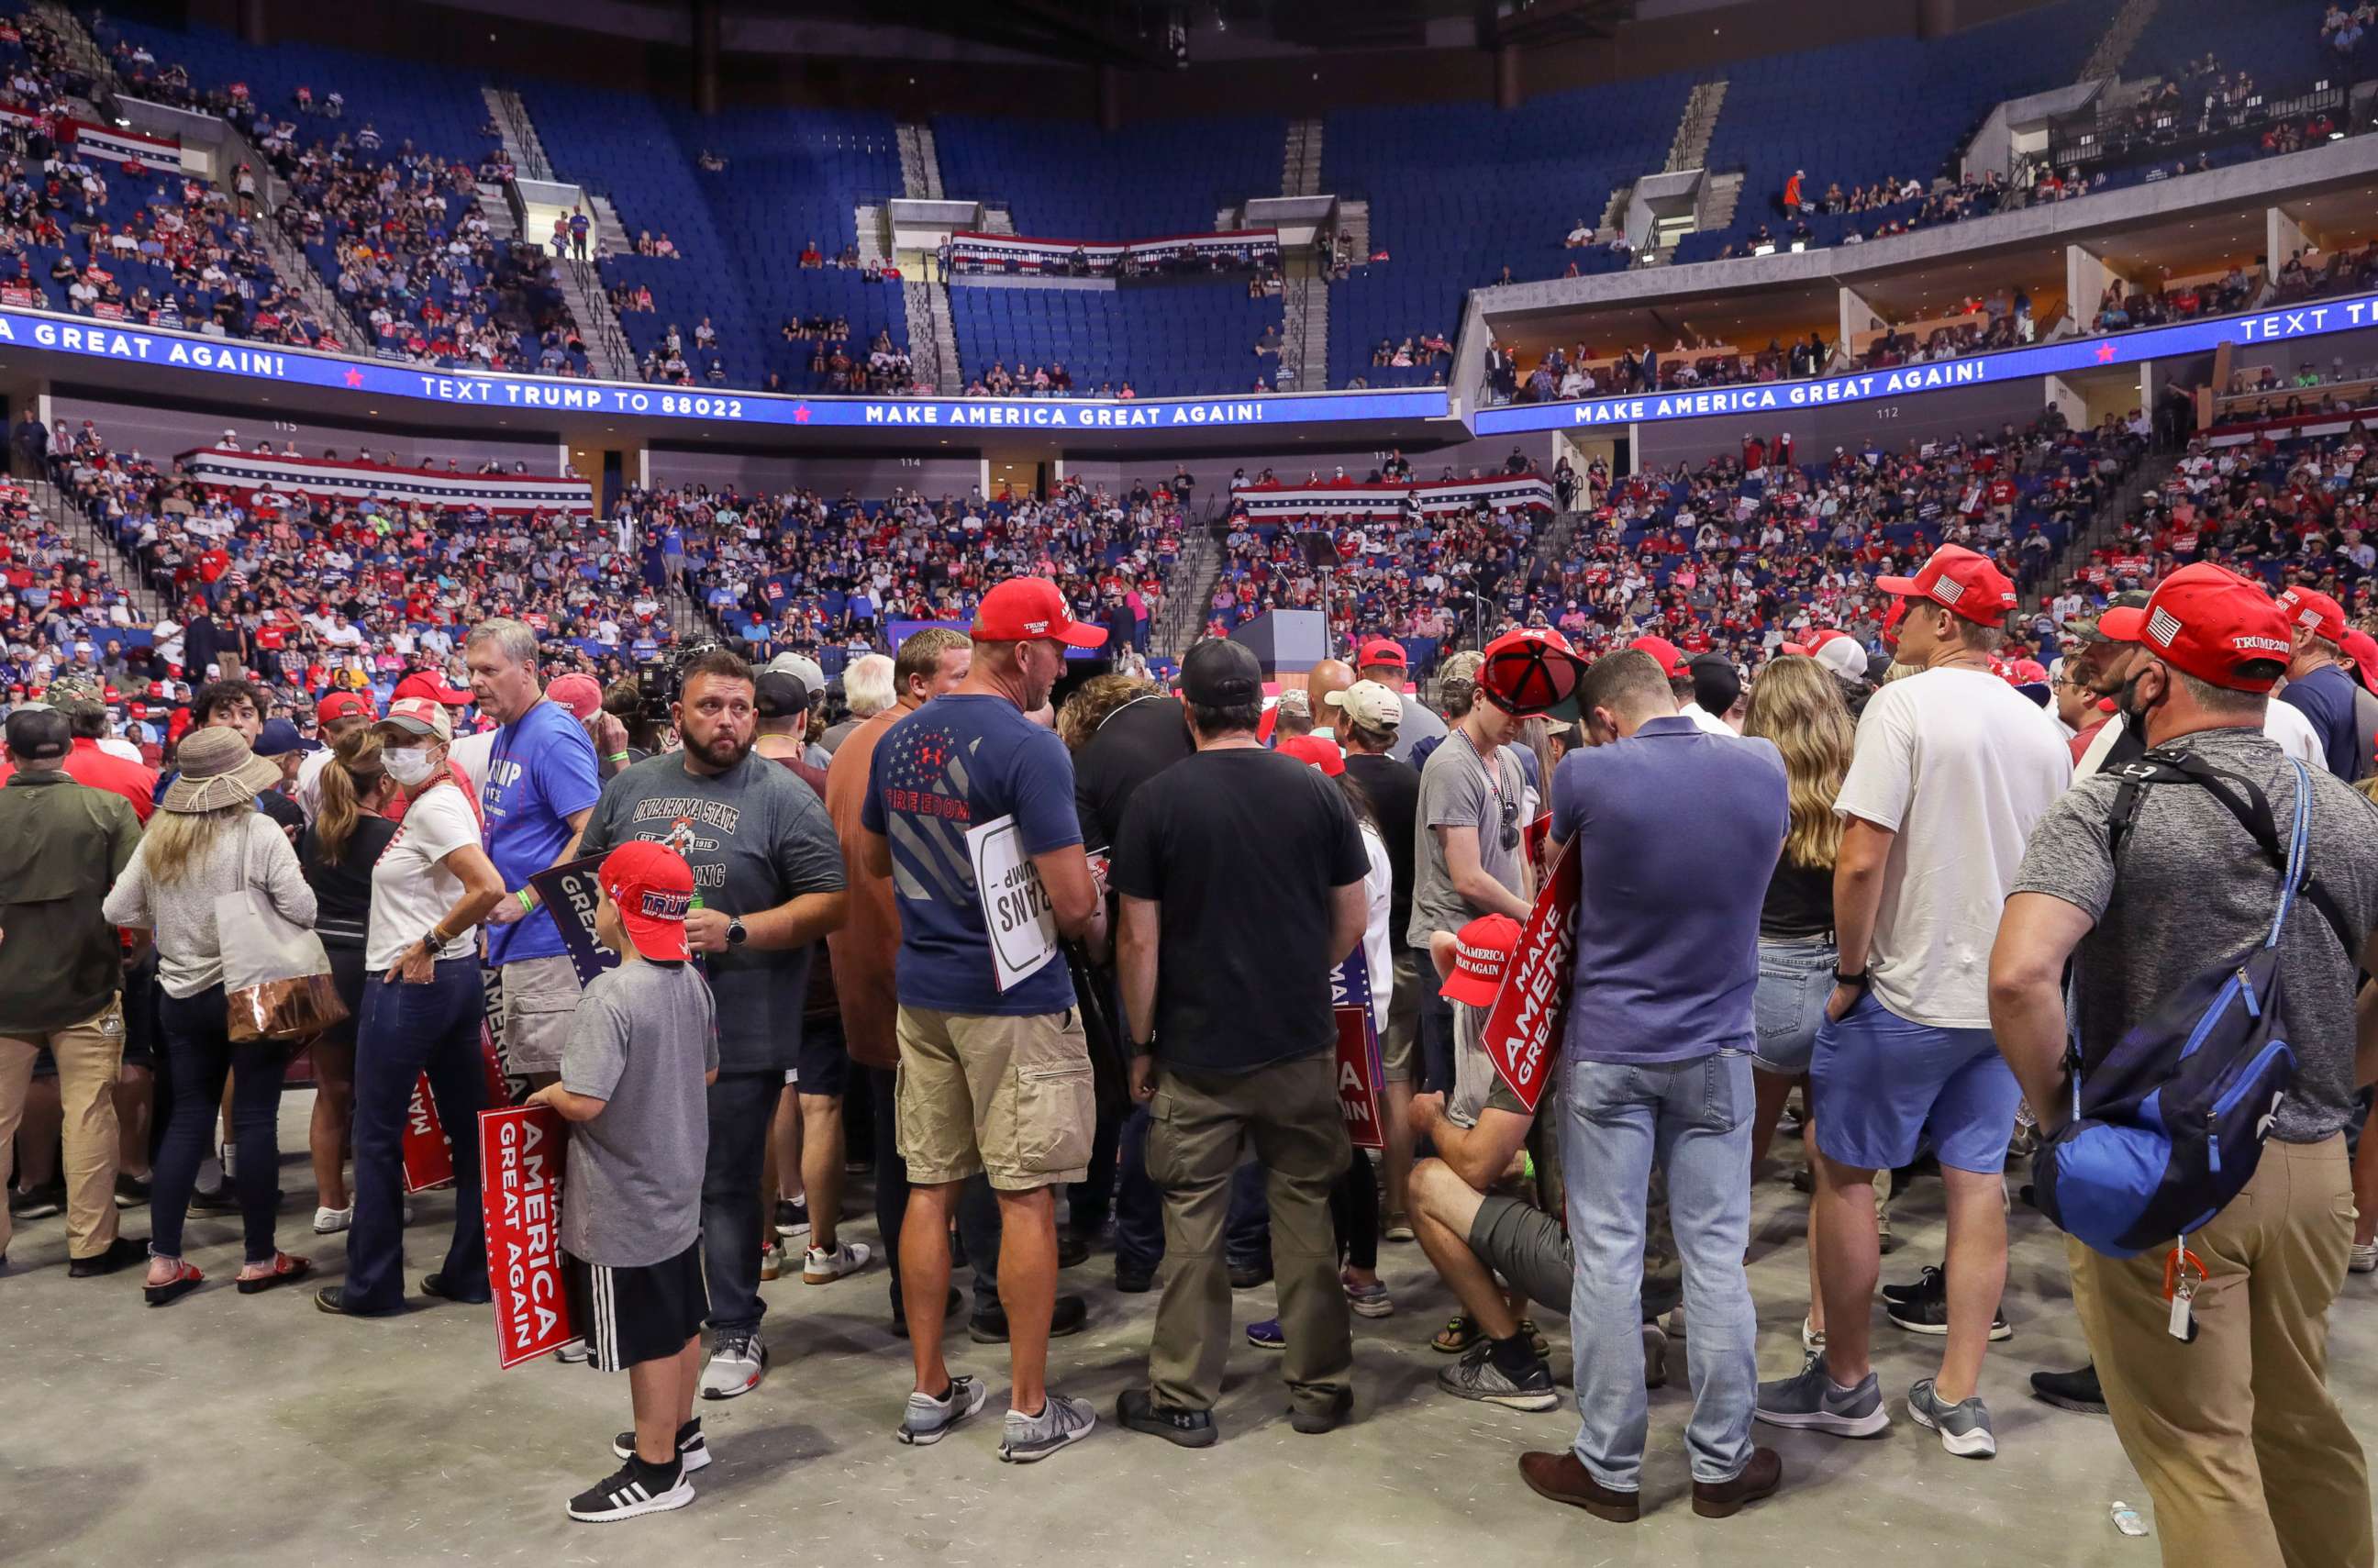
<point>1885,1085</point>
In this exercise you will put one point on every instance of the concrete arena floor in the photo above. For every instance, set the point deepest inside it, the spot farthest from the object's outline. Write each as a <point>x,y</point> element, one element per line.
<point>255,1430</point>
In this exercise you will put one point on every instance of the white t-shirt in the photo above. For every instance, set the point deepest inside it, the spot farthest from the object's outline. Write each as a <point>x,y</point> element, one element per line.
<point>2283,723</point>
<point>469,754</point>
<point>1960,767</point>
<point>308,789</point>
<point>1378,885</point>
<point>412,889</point>
<point>1708,722</point>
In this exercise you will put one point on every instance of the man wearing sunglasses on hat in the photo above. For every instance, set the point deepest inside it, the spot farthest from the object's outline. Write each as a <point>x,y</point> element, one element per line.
<point>1467,859</point>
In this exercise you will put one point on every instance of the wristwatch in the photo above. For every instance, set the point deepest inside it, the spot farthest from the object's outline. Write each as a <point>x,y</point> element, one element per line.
<point>735,931</point>
<point>1857,982</point>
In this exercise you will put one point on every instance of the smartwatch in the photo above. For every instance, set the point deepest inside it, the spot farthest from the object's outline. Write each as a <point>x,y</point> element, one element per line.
<point>735,931</point>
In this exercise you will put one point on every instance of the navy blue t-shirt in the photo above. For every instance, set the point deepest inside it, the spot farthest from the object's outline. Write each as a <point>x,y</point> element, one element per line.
<point>2326,698</point>
<point>960,760</point>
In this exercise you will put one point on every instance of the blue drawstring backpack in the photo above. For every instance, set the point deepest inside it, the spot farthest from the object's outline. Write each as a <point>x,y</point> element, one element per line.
<point>2169,1125</point>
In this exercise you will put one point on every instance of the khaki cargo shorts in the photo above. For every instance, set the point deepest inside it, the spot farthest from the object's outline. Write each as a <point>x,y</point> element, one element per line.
<point>539,997</point>
<point>1011,1097</point>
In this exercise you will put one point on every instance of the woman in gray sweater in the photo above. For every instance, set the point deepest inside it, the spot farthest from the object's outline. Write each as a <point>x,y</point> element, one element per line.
<point>208,840</point>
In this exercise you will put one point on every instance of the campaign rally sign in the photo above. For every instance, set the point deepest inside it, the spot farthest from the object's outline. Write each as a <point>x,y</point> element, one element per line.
<point>1524,1029</point>
<point>1015,908</point>
<point>1362,1077</point>
<point>521,1166</point>
<point>570,891</point>
<point>428,1155</point>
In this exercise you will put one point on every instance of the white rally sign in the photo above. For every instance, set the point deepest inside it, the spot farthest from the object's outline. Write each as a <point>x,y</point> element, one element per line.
<point>1015,908</point>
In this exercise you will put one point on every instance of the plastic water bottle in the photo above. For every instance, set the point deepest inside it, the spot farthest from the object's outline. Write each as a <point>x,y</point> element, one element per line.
<point>2126,1519</point>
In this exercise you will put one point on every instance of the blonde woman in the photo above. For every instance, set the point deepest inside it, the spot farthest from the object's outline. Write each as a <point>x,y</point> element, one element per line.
<point>337,853</point>
<point>208,838</point>
<point>1796,704</point>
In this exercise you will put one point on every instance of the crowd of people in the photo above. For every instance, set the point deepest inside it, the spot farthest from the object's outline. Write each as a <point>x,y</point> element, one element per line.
<point>1937,831</point>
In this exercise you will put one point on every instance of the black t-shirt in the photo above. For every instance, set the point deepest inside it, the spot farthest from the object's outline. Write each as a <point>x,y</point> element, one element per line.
<point>283,811</point>
<point>1240,848</point>
<point>1799,901</point>
<point>1137,741</point>
<point>343,888</point>
<point>1394,788</point>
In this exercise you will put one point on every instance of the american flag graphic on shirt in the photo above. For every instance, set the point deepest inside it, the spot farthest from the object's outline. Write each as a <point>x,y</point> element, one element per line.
<point>926,815</point>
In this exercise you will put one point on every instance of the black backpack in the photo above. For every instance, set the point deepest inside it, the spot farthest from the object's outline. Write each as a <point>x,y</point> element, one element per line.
<point>2169,1126</point>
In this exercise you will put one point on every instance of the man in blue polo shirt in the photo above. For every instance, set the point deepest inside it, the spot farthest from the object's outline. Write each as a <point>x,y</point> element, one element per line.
<point>1657,1064</point>
<point>541,785</point>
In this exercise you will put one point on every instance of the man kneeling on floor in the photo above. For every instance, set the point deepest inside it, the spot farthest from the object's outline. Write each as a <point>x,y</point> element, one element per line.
<point>1488,1206</point>
<point>642,1051</point>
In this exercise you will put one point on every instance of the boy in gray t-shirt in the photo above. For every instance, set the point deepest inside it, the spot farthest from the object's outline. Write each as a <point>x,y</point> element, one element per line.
<point>642,1049</point>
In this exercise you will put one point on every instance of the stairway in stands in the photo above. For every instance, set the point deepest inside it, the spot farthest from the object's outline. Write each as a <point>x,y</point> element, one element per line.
<point>2122,34</point>
<point>1187,587</point>
<point>2122,504</point>
<point>1299,163</point>
<point>1304,310</point>
<point>290,262</point>
<point>69,520</point>
<point>521,143</point>
<point>932,332</point>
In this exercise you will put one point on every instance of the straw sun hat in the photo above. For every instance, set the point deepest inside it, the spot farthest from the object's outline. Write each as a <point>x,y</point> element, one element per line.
<point>217,770</point>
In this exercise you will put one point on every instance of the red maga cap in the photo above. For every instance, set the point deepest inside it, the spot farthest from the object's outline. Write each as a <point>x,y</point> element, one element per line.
<point>2207,622</point>
<point>1958,579</point>
<point>1025,610</point>
<point>1482,950</point>
<point>1381,651</point>
<point>2315,612</point>
<point>1672,663</point>
<point>652,888</point>
<point>1315,750</point>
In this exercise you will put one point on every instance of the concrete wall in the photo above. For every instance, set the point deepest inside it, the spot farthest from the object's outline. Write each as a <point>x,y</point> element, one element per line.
<point>1815,432</point>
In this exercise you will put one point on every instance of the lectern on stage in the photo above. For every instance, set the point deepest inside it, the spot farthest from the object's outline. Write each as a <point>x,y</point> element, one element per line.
<point>1285,642</point>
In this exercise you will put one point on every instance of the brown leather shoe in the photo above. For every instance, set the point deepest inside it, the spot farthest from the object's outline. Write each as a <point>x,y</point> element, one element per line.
<point>1722,1499</point>
<point>1562,1479</point>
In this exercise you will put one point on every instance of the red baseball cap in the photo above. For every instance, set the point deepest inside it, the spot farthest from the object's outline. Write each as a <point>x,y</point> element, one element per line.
<point>1482,950</point>
<point>2207,621</point>
<point>1529,672</point>
<point>343,704</point>
<point>421,684</point>
<point>1025,610</point>
<point>581,694</point>
<point>2315,612</point>
<point>1381,651</point>
<point>2362,649</point>
<point>1672,663</point>
<point>1959,579</point>
<point>1313,749</point>
<point>2027,672</point>
<point>652,888</point>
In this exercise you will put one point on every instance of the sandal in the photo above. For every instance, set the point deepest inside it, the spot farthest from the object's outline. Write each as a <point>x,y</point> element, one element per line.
<point>186,1280</point>
<point>1458,1335</point>
<point>284,1270</point>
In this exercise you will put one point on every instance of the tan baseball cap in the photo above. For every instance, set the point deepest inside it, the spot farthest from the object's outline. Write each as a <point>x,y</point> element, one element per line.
<point>1370,703</point>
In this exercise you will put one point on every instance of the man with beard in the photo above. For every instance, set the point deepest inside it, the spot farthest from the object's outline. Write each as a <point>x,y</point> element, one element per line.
<point>994,1069</point>
<point>769,878</point>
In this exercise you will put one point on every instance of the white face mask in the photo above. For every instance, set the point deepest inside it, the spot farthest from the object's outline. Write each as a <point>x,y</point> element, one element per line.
<point>409,767</point>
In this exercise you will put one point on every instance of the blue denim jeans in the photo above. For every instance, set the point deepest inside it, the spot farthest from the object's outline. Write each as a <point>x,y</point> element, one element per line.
<point>1795,980</point>
<point>408,1031</point>
<point>1694,1119</point>
<point>1139,1209</point>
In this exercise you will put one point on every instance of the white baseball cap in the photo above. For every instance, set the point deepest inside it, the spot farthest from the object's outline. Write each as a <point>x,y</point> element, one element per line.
<point>1369,703</point>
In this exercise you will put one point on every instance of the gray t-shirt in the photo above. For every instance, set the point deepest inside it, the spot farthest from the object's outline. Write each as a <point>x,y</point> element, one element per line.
<point>1420,723</point>
<point>1455,790</point>
<point>641,1041</point>
<point>2195,891</point>
<point>756,837</point>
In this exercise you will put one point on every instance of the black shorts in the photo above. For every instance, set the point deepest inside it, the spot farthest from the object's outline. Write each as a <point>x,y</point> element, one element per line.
<point>822,1066</point>
<point>639,1314</point>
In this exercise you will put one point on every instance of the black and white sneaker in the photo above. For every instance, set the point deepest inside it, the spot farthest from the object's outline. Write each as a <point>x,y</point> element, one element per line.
<point>1927,1311</point>
<point>793,1218</point>
<point>693,1452</point>
<point>637,1489</point>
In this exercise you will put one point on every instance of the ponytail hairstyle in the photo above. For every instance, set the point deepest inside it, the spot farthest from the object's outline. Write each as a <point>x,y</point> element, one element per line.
<point>352,777</point>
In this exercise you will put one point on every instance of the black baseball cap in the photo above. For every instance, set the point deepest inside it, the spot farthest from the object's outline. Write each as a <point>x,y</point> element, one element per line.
<point>778,694</point>
<point>38,734</point>
<point>1221,673</point>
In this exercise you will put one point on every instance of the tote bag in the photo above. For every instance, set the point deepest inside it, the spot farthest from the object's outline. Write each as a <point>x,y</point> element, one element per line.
<point>277,982</point>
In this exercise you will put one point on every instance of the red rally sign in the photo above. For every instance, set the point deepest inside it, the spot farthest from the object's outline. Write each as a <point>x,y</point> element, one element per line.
<point>428,1157</point>
<point>520,1194</point>
<point>1524,1029</point>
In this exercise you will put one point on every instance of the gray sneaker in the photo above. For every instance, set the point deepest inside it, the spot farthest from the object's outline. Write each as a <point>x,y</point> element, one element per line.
<point>1814,1402</point>
<point>1964,1426</point>
<point>1025,1438</point>
<point>1475,1376</point>
<point>928,1420</point>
